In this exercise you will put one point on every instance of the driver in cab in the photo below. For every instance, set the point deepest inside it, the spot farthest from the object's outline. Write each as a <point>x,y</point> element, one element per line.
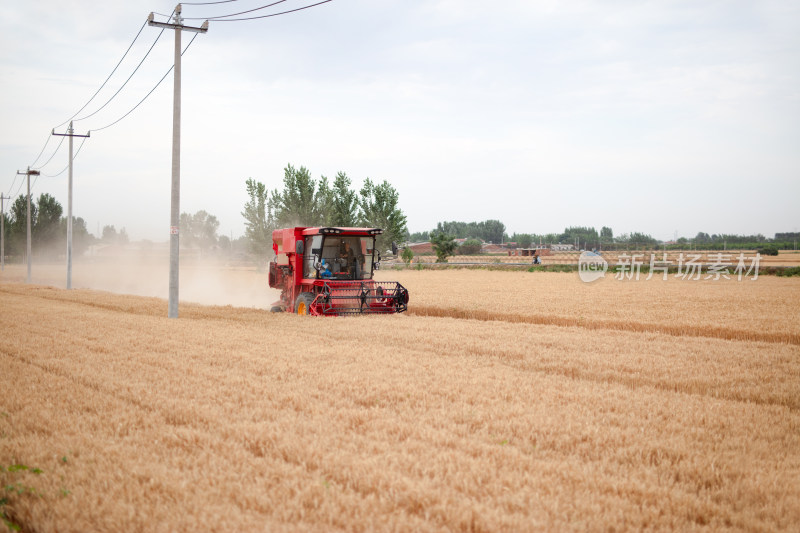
<point>349,257</point>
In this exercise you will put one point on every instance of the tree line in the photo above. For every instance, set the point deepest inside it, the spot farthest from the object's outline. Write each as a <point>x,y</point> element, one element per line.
<point>588,238</point>
<point>48,228</point>
<point>304,201</point>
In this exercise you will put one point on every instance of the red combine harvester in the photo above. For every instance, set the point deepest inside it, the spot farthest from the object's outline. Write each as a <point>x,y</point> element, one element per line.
<point>328,271</point>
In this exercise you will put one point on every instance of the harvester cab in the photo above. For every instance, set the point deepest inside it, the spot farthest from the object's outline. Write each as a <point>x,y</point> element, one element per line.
<point>329,271</point>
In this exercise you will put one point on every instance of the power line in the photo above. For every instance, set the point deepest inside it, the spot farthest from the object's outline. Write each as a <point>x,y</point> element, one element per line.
<point>51,157</point>
<point>42,151</point>
<point>19,188</point>
<point>126,81</point>
<point>12,183</point>
<point>235,14</point>
<point>66,167</point>
<point>221,19</point>
<point>208,3</point>
<point>108,78</point>
<point>148,94</point>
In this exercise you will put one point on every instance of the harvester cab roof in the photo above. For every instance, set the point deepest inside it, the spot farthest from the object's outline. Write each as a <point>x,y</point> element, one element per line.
<point>329,271</point>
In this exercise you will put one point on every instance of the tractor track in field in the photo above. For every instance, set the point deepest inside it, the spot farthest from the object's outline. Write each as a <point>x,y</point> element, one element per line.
<point>676,330</point>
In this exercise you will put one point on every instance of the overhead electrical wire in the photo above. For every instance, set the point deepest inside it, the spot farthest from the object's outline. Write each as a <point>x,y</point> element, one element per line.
<point>273,14</point>
<point>52,156</point>
<point>109,76</point>
<point>207,3</point>
<point>151,90</point>
<point>126,81</point>
<point>73,159</point>
<point>42,151</point>
<point>223,18</point>
<point>235,14</point>
<point>13,182</point>
<point>95,94</point>
<point>21,182</point>
<point>220,18</point>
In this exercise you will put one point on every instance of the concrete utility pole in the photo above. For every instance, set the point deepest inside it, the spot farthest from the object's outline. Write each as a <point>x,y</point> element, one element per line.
<point>175,206</point>
<point>69,134</point>
<point>29,173</point>
<point>3,231</point>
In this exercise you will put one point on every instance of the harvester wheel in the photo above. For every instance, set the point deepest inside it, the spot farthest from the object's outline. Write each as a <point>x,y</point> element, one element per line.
<point>303,303</point>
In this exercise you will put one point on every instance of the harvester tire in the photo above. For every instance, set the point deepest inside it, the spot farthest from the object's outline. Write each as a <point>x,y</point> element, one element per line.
<point>303,304</point>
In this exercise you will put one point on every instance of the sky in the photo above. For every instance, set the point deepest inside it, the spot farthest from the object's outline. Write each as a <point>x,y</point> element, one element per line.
<point>663,117</point>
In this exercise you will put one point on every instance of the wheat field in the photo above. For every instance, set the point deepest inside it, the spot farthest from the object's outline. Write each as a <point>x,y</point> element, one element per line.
<point>502,401</point>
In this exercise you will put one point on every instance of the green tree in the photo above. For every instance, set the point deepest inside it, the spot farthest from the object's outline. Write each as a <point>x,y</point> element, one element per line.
<point>258,218</point>
<point>81,238</point>
<point>606,234</point>
<point>489,230</point>
<point>523,240</point>
<point>199,230</point>
<point>492,231</point>
<point>419,236</point>
<point>296,204</point>
<point>45,228</point>
<point>379,209</point>
<point>323,204</point>
<point>407,255</point>
<point>344,210</point>
<point>444,245</point>
<point>470,247</point>
<point>18,226</point>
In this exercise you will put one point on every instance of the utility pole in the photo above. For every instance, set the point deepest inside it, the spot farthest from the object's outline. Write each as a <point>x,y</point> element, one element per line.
<point>70,133</point>
<point>29,173</point>
<point>175,205</point>
<point>3,231</point>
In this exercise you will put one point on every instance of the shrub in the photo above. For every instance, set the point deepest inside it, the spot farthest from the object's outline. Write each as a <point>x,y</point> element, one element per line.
<point>407,255</point>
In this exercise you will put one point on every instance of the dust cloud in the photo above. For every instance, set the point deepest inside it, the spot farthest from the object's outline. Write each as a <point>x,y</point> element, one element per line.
<point>207,281</point>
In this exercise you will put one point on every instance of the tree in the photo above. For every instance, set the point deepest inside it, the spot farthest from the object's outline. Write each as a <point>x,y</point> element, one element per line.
<point>199,230</point>
<point>379,209</point>
<point>109,234</point>
<point>444,245</point>
<point>470,247</point>
<point>81,238</point>
<point>606,234</point>
<point>45,228</point>
<point>224,243</point>
<point>407,255</point>
<point>523,240</point>
<point>488,230</point>
<point>323,204</point>
<point>344,208</point>
<point>19,226</point>
<point>258,218</point>
<point>304,202</point>
<point>296,204</point>
<point>420,236</point>
<point>492,231</point>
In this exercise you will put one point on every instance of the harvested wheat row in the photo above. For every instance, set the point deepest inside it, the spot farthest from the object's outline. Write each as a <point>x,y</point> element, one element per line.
<point>678,330</point>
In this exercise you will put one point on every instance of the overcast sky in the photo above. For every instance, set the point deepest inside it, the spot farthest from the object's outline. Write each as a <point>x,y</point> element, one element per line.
<point>658,117</point>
